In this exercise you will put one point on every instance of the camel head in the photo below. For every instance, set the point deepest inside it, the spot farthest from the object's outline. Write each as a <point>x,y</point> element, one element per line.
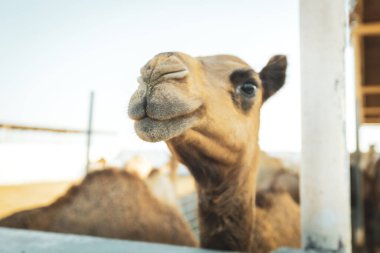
<point>207,104</point>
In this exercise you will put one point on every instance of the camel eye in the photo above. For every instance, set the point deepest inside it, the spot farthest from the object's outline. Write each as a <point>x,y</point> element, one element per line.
<point>248,89</point>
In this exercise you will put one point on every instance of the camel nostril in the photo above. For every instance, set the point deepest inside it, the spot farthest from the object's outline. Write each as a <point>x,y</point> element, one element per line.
<point>175,75</point>
<point>164,66</point>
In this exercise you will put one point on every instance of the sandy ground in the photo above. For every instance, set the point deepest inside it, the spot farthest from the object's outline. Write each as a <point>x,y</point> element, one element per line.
<point>15,198</point>
<point>19,197</point>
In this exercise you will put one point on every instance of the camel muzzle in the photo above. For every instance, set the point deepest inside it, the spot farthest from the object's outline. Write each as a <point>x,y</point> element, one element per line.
<point>161,105</point>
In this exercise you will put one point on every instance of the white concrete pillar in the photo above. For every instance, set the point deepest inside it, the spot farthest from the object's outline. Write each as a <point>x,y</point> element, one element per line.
<point>325,204</point>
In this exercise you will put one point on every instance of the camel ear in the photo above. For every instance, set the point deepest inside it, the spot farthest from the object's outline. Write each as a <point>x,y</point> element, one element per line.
<point>273,75</point>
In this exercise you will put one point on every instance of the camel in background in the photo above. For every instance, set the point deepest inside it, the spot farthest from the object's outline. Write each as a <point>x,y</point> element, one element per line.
<point>116,204</point>
<point>371,191</point>
<point>274,175</point>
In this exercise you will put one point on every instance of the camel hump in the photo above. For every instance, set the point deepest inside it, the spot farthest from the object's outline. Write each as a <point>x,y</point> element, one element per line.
<point>110,174</point>
<point>101,184</point>
<point>98,188</point>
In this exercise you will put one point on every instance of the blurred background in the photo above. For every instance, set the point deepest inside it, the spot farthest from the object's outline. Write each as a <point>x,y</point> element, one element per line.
<point>55,54</point>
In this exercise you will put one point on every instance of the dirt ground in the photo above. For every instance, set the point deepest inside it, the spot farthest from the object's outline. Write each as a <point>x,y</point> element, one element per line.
<point>15,198</point>
<point>19,197</point>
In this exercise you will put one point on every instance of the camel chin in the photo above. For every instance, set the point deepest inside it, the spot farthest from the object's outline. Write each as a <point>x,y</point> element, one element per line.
<point>152,130</point>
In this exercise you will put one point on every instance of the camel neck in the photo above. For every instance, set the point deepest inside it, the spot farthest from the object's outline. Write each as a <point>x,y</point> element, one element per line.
<point>226,187</point>
<point>226,212</point>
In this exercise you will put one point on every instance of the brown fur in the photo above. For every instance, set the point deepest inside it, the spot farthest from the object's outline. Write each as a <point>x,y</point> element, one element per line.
<point>273,220</point>
<point>274,175</point>
<point>198,106</point>
<point>108,203</point>
<point>286,181</point>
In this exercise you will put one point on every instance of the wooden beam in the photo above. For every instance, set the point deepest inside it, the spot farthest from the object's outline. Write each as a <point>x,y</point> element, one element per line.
<point>359,70</point>
<point>371,89</point>
<point>89,131</point>
<point>358,231</point>
<point>42,129</point>
<point>47,129</point>
<point>371,110</point>
<point>372,121</point>
<point>367,29</point>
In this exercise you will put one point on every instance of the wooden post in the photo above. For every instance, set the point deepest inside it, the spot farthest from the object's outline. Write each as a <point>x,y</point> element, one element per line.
<point>358,228</point>
<point>89,131</point>
<point>325,204</point>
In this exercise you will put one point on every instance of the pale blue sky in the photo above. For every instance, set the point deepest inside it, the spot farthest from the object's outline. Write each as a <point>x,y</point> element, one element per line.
<point>52,53</point>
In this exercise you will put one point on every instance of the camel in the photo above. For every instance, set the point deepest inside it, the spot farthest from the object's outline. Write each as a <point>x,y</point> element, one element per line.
<point>274,175</point>
<point>207,110</point>
<point>163,181</point>
<point>371,180</point>
<point>162,187</point>
<point>109,203</point>
<point>139,166</point>
<point>368,161</point>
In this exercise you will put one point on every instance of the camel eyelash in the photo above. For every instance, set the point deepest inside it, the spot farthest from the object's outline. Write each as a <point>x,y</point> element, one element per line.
<point>241,76</point>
